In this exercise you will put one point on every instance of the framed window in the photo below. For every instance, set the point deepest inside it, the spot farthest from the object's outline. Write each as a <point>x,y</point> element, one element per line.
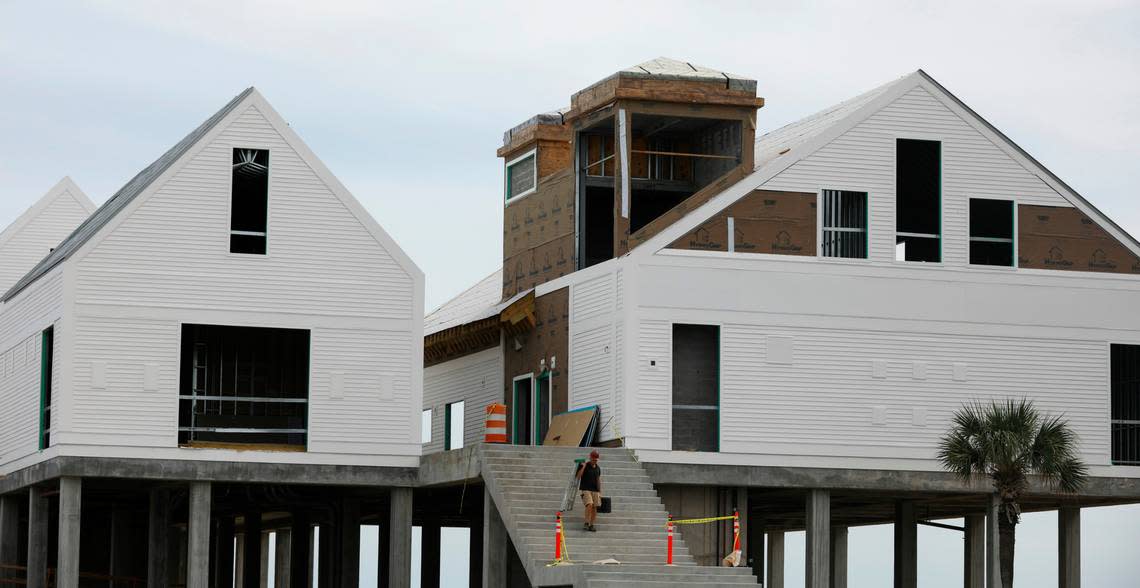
<point>1125,376</point>
<point>249,201</point>
<point>918,200</point>
<point>47,363</point>
<point>991,232</point>
<point>844,224</point>
<point>453,426</point>
<point>522,175</point>
<point>696,388</point>
<point>425,426</point>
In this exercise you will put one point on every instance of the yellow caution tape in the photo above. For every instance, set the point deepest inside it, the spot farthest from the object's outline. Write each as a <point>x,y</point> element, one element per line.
<point>705,520</point>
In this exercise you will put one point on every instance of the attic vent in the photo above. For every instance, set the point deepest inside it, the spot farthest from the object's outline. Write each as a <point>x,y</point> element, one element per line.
<point>249,201</point>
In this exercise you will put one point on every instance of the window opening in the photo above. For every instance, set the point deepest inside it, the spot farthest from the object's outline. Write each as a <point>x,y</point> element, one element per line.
<point>453,426</point>
<point>991,232</point>
<point>844,224</point>
<point>696,387</point>
<point>918,200</point>
<point>1125,368</point>
<point>425,426</point>
<point>522,175</point>
<point>249,201</point>
<point>597,157</point>
<point>243,385</point>
<point>47,363</point>
<point>521,411</point>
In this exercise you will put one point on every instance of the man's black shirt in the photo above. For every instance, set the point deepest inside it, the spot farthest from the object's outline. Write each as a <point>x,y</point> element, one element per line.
<point>590,477</point>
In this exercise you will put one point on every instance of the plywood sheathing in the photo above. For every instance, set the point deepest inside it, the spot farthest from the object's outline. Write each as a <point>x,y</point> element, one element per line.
<point>1062,238</point>
<point>538,235</point>
<point>764,221</point>
<point>549,338</point>
<point>690,204</point>
<point>461,340</point>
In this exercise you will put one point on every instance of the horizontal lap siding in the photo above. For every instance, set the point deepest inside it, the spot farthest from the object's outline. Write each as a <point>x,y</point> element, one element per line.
<point>36,239</point>
<point>595,362</point>
<point>363,418</point>
<point>22,320</point>
<point>169,256</point>
<point>477,380</point>
<point>654,382</point>
<point>174,249</point>
<point>863,159</point>
<point>828,394</point>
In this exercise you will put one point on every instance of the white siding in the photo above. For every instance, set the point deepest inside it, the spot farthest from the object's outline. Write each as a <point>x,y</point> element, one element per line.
<point>165,261</point>
<point>863,159</point>
<point>596,335</point>
<point>22,320</point>
<point>476,379</point>
<point>654,384</point>
<point>37,235</point>
<point>173,249</point>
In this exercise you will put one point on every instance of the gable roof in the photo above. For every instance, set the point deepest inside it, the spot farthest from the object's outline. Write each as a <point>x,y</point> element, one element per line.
<point>780,149</point>
<point>63,187</point>
<point>122,198</point>
<point>477,302</point>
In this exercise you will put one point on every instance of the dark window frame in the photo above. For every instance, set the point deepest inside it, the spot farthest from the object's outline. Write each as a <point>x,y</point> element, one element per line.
<point>249,236</point>
<point>47,365</point>
<point>1124,403</point>
<point>904,236</point>
<point>989,241</point>
<point>837,217</point>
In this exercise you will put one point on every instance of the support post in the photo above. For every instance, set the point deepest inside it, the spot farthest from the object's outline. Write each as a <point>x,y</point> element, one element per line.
<point>9,532</point>
<point>349,529</point>
<point>251,552</point>
<point>906,545</point>
<point>300,550</point>
<point>818,542</point>
<point>974,574</point>
<point>224,552</point>
<point>281,564</point>
<point>38,526</point>
<point>496,544</point>
<point>263,565</point>
<point>839,557</point>
<point>70,512</point>
<point>1069,547</point>
<point>400,538</point>
<point>198,546</point>
<point>775,560</point>
<point>993,543</point>
<point>429,555</point>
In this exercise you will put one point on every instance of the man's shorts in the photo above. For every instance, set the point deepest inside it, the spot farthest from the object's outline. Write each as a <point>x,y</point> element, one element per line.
<point>591,498</point>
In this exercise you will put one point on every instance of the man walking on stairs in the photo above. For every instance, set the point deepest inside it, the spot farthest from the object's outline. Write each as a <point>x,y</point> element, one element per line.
<point>590,485</point>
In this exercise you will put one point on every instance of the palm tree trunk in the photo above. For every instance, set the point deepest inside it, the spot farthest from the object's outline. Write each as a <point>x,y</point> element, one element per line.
<point>1007,528</point>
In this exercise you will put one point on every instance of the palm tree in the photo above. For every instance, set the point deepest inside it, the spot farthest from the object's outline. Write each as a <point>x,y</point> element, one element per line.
<point>1009,441</point>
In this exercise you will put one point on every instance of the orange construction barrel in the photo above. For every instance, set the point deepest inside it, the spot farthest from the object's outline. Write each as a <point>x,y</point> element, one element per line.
<point>496,427</point>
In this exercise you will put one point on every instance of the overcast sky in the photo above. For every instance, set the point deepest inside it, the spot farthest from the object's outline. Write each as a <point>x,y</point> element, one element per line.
<point>407,102</point>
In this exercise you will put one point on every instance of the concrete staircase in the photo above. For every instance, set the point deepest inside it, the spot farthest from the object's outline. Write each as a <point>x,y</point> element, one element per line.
<point>527,485</point>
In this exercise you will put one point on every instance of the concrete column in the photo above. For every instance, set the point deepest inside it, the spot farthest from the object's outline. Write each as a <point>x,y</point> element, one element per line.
<point>198,547</point>
<point>349,529</point>
<point>251,550</point>
<point>67,556</point>
<point>281,564</point>
<point>158,539</point>
<point>38,526</point>
<point>975,552</point>
<point>775,566</point>
<point>429,555</point>
<point>263,565</point>
<point>993,544</point>
<point>839,557</point>
<point>1069,547</point>
<point>9,531</point>
<point>818,541</point>
<point>224,552</point>
<point>496,544</point>
<point>906,545</point>
<point>300,550</point>
<point>239,560</point>
<point>400,538</point>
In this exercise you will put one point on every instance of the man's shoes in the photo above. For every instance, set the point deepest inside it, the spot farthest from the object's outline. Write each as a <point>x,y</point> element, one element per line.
<point>592,528</point>
<point>586,526</point>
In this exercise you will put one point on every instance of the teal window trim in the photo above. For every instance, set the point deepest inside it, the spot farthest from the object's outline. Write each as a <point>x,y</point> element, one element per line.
<point>447,427</point>
<point>507,197</point>
<point>719,400</point>
<point>47,346</point>
<point>536,440</point>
